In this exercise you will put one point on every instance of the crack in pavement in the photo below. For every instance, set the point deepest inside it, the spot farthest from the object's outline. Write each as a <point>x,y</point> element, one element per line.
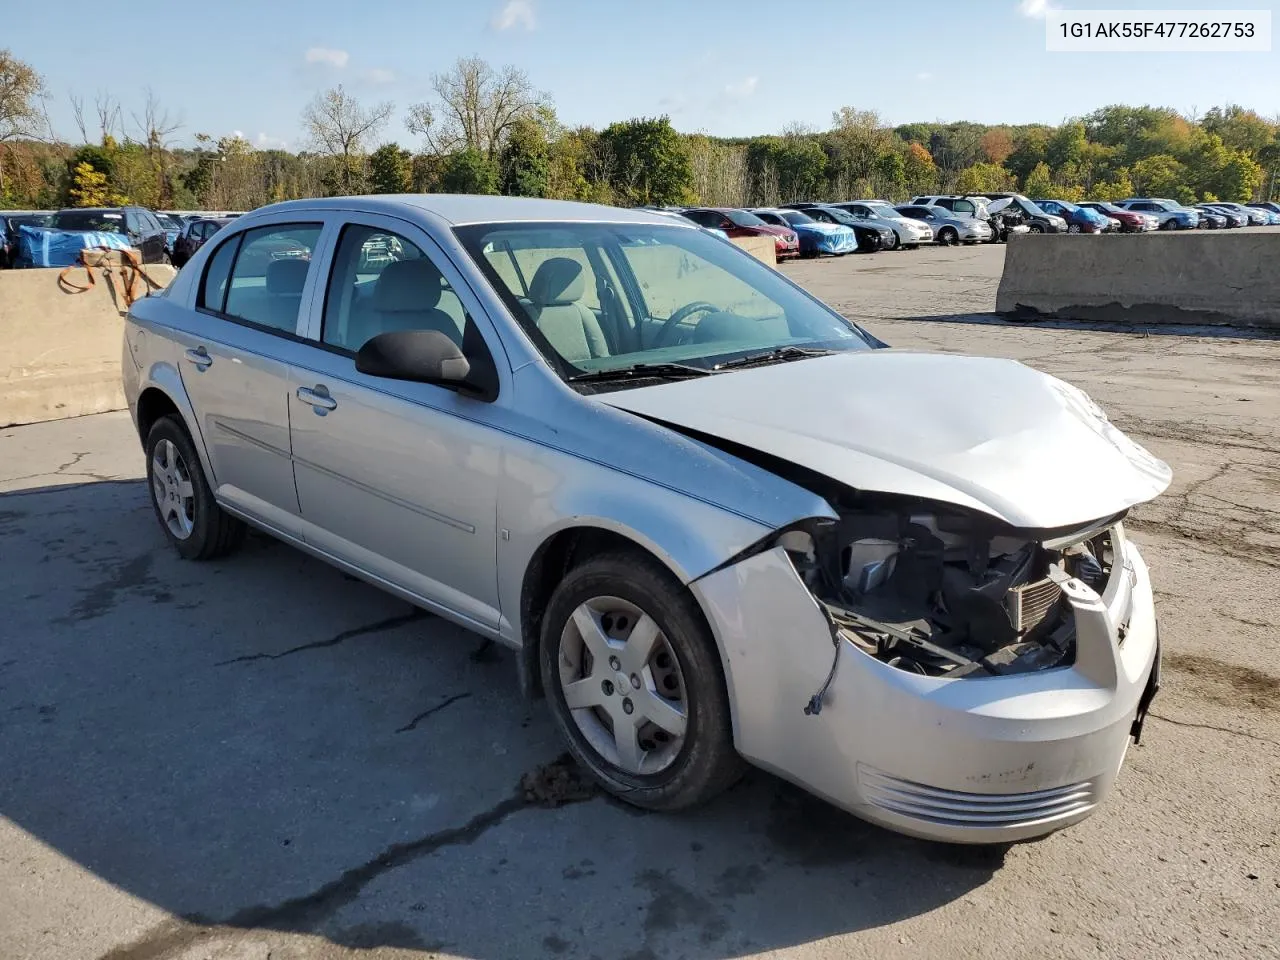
<point>1210,726</point>
<point>389,623</point>
<point>412,724</point>
<point>306,913</point>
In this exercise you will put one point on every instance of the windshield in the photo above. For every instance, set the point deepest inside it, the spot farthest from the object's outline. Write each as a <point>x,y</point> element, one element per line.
<point>1069,207</point>
<point>882,210</point>
<point>1029,207</point>
<point>93,221</point>
<point>795,216</point>
<point>598,297</point>
<point>168,222</point>
<point>744,219</point>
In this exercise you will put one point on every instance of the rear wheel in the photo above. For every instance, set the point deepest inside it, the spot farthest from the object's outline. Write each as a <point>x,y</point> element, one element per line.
<point>634,681</point>
<point>189,516</point>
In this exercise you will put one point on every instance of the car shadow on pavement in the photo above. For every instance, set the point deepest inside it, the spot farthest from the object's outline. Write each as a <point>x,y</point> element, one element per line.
<point>1108,321</point>
<point>263,744</point>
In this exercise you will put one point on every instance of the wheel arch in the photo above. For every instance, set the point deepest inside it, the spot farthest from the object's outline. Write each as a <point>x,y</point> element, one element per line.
<point>558,553</point>
<point>163,394</point>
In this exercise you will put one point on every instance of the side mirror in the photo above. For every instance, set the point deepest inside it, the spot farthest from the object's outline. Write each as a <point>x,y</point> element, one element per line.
<point>422,356</point>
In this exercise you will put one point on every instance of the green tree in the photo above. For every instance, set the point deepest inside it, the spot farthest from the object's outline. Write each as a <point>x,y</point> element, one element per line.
<point>1038,183</point>
<point>1066,145</point>
<point>469,171</point>
<point>1239,178</point>
<point>525,160</point>
<point>390,169</point>
<point>786,169</point>
<point>1240,129</point>
<point>891,176</point>
<point>1158,176</point>
<point>646,161</point>
<point>1029,150</point>
<point>984,178</point>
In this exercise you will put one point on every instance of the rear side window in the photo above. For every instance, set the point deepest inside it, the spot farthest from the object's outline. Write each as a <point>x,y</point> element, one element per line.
<point>213,291</point>
<point>269,274</point>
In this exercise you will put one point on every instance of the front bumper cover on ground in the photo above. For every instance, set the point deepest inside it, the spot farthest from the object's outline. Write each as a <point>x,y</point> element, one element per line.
<point>974,759</point>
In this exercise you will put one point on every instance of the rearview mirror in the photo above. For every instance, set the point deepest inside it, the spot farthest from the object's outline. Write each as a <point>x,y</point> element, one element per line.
<point>423,356</point>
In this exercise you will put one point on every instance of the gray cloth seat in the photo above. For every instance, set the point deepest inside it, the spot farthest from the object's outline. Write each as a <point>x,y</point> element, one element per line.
<point>405,297</point>
<point>570,327</point>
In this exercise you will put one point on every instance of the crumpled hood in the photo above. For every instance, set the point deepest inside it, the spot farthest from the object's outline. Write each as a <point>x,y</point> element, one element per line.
<point>988,434</point>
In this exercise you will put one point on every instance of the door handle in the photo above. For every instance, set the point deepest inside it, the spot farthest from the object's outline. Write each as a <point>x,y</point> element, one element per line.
<point>200,357</point>
<point>318,398</point>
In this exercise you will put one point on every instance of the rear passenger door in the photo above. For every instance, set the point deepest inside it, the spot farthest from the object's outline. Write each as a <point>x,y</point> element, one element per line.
<point>398,479</point>
<point>235,363</point>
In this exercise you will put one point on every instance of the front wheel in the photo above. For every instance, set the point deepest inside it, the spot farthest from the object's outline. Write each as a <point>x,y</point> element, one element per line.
<point>1037,228</point>
<point>634,682</point>
<point>894,242</point>
<point>948,236</point>
<point>1073,228</point>
<point>189,516</point>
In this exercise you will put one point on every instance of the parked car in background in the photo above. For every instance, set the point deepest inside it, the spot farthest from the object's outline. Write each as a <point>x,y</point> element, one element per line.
<point>1253,216</point>
<point>1268,205</point>
<point>192,237</point>
<point>138,224</point>
<point>679,214</point>
<point>172,227</point>
<point>1079,219</point>
<point>742,223</point>
<point>815,238</point>
<point>948,228</point>
<point>1171,214</point>
<point>10,221</point>
<point>1213,218</point>
<point>681,513</point>
<point>871,235</point>
<point>908,233</point>
<point>1131,221</point>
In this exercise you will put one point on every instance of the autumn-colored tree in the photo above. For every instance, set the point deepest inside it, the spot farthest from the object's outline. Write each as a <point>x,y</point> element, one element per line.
<point>919,169</point>
<point>88,187</point>
<point>20,91</point>
<point>997,145</point>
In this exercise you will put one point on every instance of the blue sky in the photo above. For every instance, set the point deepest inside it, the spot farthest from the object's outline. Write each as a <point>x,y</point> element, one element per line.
<point>718,66</point>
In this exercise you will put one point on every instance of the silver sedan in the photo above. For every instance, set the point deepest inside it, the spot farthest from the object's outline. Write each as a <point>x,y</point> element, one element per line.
<point>718,522</point>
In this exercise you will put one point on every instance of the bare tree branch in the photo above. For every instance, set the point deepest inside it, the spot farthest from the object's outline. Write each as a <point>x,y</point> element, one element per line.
<point>475,107</point>
<point>340,127</point>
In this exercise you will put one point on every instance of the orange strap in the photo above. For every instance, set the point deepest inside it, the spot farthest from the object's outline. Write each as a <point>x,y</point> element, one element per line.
<point>131,268</point>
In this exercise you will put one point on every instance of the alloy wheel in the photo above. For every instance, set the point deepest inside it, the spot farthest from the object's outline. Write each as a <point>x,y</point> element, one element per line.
<point>173,491</point>
<point>623,685</point>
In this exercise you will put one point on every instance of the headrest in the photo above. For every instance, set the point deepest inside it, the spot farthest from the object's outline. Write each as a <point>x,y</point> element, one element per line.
<point>407,285</point>
<point>559,280</point>
<point>287,276</point>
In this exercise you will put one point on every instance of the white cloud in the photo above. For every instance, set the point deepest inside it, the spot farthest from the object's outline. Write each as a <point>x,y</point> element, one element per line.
<point>1036,8</point>
<point>743,88</point>
<point>378,75</point>
<point>924,77</point>
<point>514,13</point>
<point>238,134</point>
<point>328,55</point>
<point>264,142</point>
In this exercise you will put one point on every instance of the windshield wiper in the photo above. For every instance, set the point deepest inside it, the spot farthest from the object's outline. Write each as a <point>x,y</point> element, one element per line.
<point>642,371</point>
<point>770,356</point>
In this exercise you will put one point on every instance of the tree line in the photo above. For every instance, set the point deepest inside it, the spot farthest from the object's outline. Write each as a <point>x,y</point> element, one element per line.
<point>488,130</point>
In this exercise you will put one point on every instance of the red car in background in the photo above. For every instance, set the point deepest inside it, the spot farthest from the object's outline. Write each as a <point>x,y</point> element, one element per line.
<point>740,223</point>
<point>1131,221</point>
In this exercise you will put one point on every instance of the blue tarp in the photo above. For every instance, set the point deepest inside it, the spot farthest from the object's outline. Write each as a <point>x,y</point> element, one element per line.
<point>46,247</point>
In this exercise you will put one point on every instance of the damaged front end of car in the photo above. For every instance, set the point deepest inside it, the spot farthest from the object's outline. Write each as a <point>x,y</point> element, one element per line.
<point>936,670</point>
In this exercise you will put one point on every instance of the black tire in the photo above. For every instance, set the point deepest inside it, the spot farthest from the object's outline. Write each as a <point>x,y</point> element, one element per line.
<point>948,236</point>
<point>214,532</point>
<point>1169,225</point>
<point>895,243</point>
<point>707,762</point>
<point>1036,228</point>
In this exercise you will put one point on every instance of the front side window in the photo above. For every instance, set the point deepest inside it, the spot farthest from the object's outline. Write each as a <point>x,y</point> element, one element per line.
<point>683,297</point>
<point>382,283</point>
<point>269,274</point>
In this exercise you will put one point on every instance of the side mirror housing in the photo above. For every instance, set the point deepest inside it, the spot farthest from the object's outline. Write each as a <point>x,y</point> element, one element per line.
<point>421,356</point>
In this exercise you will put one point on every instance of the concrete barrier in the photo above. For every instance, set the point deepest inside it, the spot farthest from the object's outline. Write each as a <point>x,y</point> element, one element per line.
<point>762,248</point>
<point>1197,277</point>
<point>60,350</point>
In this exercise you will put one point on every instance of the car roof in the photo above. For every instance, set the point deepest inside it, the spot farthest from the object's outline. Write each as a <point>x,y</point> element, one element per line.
<point>457,209</point>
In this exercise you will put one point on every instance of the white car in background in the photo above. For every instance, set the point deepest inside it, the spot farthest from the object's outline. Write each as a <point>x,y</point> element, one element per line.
<point>909,233</point>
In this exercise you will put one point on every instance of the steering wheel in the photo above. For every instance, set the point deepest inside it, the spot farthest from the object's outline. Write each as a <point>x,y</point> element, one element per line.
<point>668,327</point>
